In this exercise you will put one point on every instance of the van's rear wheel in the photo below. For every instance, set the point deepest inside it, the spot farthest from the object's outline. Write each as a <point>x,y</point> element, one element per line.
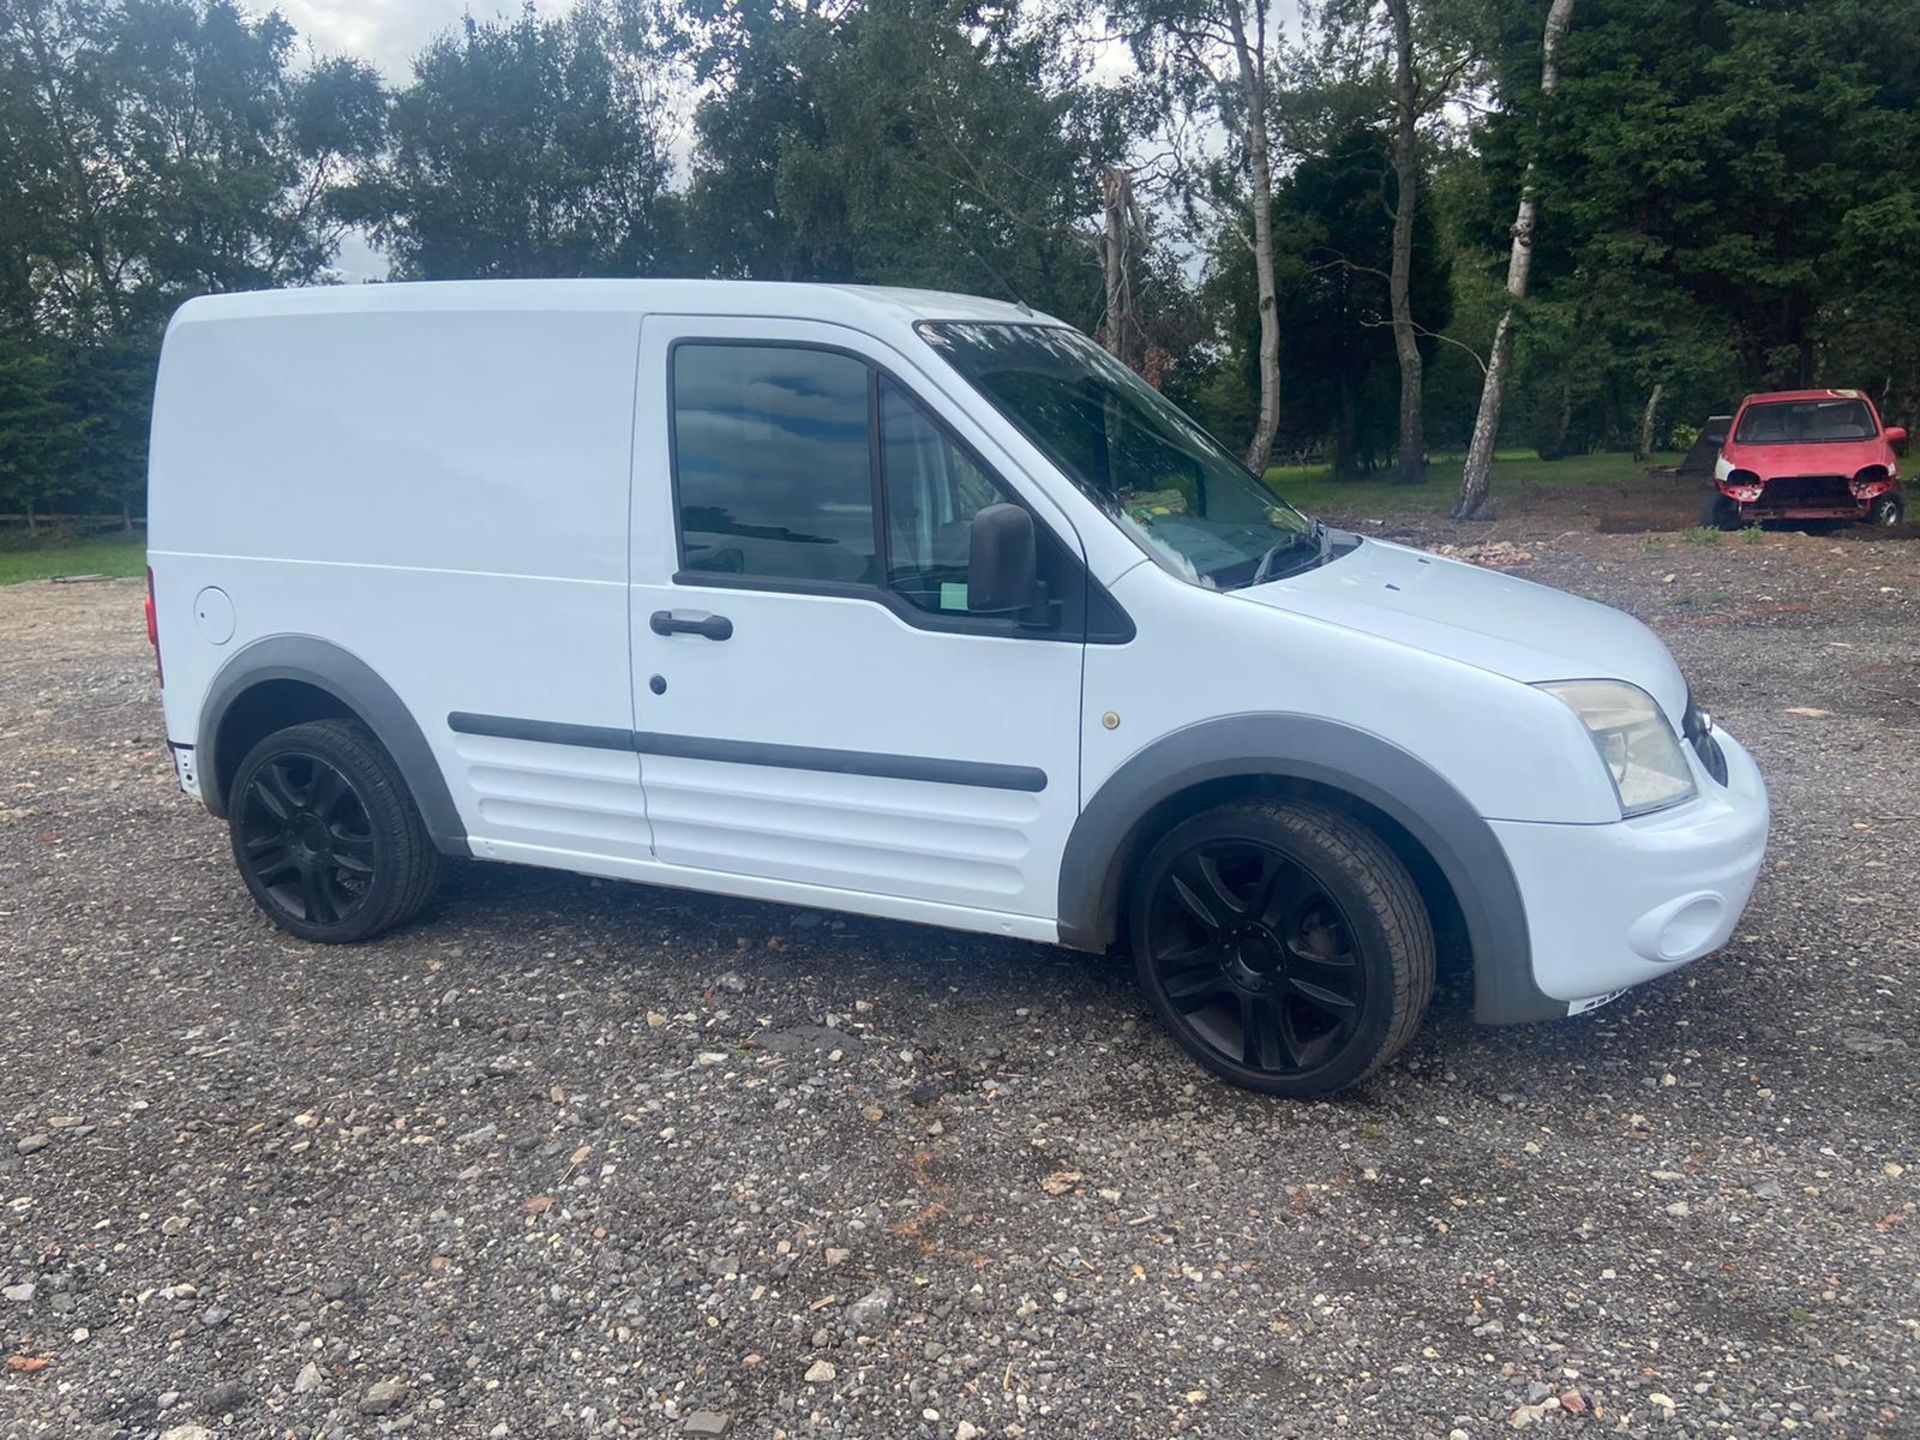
<point>1283,944</point>
<point>326,835</point>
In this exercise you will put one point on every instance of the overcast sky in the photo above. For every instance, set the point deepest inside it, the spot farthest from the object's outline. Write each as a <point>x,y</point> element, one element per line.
<point>387,33</point>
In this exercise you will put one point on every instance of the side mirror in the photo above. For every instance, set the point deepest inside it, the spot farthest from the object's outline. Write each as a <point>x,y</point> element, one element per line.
<point>1002,573</point>
<point>1895,436</point>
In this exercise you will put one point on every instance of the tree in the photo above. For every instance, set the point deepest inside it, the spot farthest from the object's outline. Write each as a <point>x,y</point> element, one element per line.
<point>1341,230</point>
<point>1412,466</point>
<point>1730,149</point>
<point>1333,239</point>
<point>155,150</point>
<point>1486,427</point>
<point>1868,326</point>
<point>168,149</point>
<point>916,142</point>
<point>1122,241</point>
<point>1727,184</point>
<point>1217,59</point>
<point>530,147</point>
<point>42,435</point>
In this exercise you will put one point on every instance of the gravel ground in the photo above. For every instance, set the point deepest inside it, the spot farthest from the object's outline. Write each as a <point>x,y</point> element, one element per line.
<point>576,1158</point>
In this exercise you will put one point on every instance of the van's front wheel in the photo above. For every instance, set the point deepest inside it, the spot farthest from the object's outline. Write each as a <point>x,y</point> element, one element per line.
<point>1283,944</point>
<point>326,835</point>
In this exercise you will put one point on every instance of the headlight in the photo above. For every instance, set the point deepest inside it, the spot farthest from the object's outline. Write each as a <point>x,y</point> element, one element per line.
<point>1634,740</point>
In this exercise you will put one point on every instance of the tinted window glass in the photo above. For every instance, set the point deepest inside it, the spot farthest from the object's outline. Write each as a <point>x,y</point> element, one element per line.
<point>1190,504</point>
<point>1795,422</point>
<point>933,492</point>
<point>773,463</point>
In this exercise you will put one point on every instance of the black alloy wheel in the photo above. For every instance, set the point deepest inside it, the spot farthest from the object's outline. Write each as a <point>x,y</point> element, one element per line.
<point>326,835</point>
<point>306,838</point>
<point>1284,946</point>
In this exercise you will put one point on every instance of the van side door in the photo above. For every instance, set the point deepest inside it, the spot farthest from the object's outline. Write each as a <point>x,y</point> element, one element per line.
<point>816,705</point>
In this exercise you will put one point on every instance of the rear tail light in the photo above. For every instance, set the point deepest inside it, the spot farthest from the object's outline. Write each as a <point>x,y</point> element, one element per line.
<point>153,631</point>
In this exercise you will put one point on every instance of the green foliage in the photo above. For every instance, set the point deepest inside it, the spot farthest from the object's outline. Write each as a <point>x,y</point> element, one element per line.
<point>43,433</point>
<point>1333,226</point>
<point>530,147</point>
<point>1728,192</point>
<point>153,150</point>
<point>914,142</point>
<point>162,148</point>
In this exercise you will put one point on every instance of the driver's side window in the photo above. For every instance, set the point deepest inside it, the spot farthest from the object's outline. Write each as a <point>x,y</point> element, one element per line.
<point>933,491</point>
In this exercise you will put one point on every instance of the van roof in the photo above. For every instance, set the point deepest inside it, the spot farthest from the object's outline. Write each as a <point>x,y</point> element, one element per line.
<point>710,297</point>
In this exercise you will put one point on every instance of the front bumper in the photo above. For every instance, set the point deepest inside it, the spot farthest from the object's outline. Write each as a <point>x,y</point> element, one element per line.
<point>1760,510</point>
<point>1804,497</point>
<point>1612,906</point>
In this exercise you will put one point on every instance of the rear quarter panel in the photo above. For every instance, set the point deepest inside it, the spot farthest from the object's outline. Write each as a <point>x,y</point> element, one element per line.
<point>441,493</point>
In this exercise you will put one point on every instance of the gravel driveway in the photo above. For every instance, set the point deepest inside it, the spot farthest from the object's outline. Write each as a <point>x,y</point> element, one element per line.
<point>576,1158</point>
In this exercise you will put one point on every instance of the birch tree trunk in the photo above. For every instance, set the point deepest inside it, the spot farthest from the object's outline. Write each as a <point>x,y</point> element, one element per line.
<point>1412,469</point>
<point>1252,60</point>
<point>1122,223</point>
<point>1643,451</point>
<point>1486,425</point>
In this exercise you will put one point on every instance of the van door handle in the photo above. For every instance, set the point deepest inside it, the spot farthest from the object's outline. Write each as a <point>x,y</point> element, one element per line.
<point>684,622</point>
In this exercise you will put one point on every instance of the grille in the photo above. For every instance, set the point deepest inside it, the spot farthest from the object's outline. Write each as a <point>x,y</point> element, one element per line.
<point>1807,490</point>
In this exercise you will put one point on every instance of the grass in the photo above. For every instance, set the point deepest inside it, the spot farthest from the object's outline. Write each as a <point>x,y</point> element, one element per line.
<point>1312,488</point>
<point>115,554</point>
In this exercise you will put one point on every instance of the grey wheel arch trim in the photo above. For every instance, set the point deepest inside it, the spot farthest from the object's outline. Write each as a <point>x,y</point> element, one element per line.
<point>1342,757</point>
<point>352,682</point>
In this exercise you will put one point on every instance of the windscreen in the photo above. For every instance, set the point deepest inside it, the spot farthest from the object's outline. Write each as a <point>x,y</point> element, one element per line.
<point>1189,503</point>
<point>1794,422</point>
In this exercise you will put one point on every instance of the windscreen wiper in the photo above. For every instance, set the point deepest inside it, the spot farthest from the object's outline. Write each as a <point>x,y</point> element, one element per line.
<point>1315,536</point>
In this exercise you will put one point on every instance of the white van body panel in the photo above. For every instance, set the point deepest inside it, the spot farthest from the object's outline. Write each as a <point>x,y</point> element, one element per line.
<point>829,672</point>
<point>468,489</point>
<point>465,538</point>
<point>1513,751</point>
<point>1482,618</point>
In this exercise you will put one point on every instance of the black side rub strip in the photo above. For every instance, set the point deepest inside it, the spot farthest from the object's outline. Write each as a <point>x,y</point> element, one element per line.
<point>551,732</point>
<point>750,752</point>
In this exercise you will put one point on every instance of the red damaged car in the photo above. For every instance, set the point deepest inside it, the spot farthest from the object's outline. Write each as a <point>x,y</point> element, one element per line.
<point>1808,455</point>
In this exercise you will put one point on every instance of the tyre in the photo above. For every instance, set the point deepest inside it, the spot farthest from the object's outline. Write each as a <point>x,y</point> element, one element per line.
<point>327,837</point>
<point>1721,514</point>
<point>1283,945</point>
<point>1888,509</point>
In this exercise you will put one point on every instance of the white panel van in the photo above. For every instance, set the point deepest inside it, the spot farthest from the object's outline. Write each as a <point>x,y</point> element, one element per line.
<point>903,603</point>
